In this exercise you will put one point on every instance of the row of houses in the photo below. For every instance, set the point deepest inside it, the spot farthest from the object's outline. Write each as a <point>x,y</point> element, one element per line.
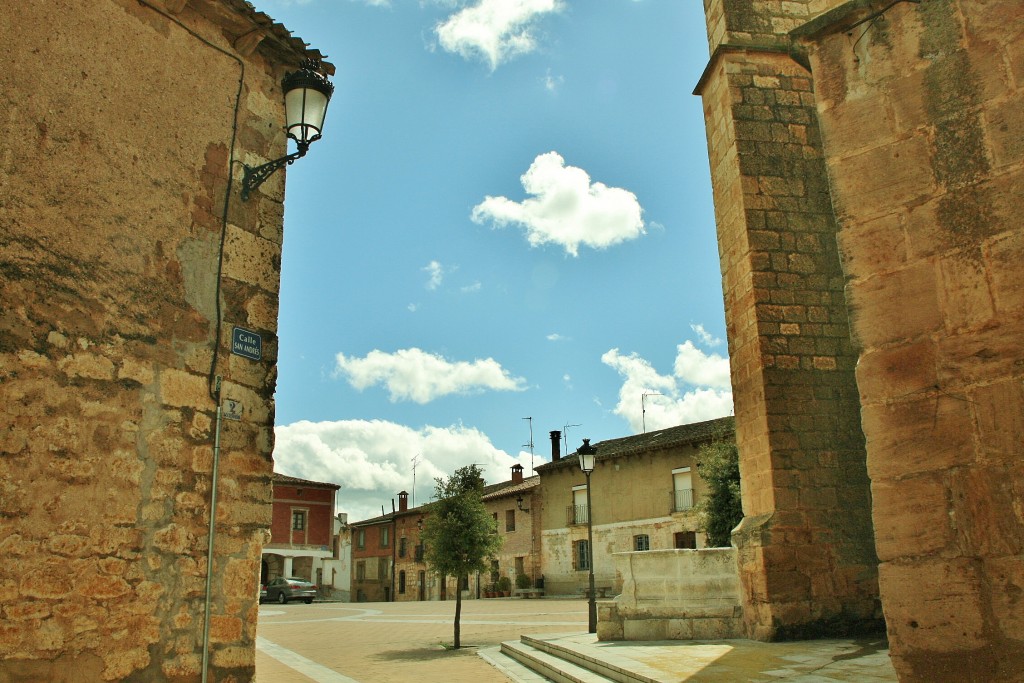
<point>644,490</point>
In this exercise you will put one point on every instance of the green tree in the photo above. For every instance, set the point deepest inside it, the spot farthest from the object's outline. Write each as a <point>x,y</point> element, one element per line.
<point>720,510</point>
<point>458,532</point>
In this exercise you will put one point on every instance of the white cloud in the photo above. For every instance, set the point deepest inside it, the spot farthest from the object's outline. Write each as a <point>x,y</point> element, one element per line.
<point>494,30</point>
<point>435,273</point>
<point>469,289</point>
<point>552,83</point>
<point>555,337</point>
<point>413,307</point>
<point>566,208</point>
<point>706,338</point>
<point>415,375</point>
<point>699,388</point>
<point>371,460</point>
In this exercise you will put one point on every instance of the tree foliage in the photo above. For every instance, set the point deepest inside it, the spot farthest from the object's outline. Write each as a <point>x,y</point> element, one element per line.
<point>458,532</point>
<point>720,510</point>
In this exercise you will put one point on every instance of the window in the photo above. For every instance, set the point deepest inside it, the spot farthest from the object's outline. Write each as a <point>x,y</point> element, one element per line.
<point>686,540</point>
<point>495,573</point>
<point>361,539</point>
<point>495,516</point>
<point>401,547</point>
<point>641,542</point>
<point>401,581</point>
<point>682,489</point>
<point>383,570</point>
<point>385,538</point>
<point>298,520</point>
<point>360,571</point>
<point>578,512</point>
<point>510,520</point>
<point>581,555</point>
<point>420,550</point>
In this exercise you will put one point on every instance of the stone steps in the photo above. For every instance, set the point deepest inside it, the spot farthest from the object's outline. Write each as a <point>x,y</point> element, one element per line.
<point>563,661</point>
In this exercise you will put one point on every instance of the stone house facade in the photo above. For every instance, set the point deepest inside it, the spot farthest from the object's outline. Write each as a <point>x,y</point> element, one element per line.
<point>126,260</point>
<point>373,559</point>
<point>516,510</point>
<point>301,529</point>
<point>868,174</point>
<point>644,488</point>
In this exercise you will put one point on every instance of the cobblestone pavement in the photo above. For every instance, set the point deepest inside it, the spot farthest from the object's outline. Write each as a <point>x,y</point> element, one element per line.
<point>393,642</point>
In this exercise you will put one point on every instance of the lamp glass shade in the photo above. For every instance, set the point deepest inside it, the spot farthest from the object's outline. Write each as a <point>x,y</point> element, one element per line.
<point>586,461</point>
<point>305,109</point>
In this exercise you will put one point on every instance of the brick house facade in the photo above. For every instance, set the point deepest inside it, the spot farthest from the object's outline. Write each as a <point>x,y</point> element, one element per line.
<point>301,529</point>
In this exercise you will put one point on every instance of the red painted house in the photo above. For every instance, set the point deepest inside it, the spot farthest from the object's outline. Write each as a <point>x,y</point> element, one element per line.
<point>301,529</point>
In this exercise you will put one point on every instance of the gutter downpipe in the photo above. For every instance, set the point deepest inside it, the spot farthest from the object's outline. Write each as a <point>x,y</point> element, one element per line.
<point>210,534</point>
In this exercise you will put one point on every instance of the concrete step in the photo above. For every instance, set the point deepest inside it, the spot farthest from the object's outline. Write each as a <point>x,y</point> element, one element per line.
<point>512,669</point>
<point>551,667</point>
<point>600,661</point>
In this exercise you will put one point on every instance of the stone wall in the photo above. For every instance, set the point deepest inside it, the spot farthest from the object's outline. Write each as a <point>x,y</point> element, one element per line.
<point>118,130</point>
<point>805,547</point>
<point>921,112</point>
<point>674,595</point>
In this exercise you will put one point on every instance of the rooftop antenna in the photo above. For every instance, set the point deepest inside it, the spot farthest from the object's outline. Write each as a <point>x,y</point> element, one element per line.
<point>643,407</point>
<point>415,459</point>
<point>565,436</point>
<point>530,420</point>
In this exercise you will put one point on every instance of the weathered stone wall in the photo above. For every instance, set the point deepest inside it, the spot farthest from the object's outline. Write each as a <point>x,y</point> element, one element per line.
<point>114,164</point>
<point>922,113</point>
<point>674,595</point>
<point>805,547</point>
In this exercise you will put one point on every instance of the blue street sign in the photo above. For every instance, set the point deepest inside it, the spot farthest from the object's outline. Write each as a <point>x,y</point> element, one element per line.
<point>246,343</point>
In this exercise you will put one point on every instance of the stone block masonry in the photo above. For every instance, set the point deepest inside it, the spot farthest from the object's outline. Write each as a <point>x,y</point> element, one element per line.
<point>805,548</point>
<point>111,204</point>
<point>928,201</point>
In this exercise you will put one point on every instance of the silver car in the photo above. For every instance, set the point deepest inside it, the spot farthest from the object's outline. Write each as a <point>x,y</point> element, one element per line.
<point>284,589</point>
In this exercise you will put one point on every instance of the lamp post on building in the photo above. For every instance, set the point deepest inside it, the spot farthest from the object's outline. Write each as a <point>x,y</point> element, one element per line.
<point>306,95</point>
<point>586,453</point>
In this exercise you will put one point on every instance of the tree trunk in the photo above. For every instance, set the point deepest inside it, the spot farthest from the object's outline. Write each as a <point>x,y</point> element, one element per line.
<point>458,611</point>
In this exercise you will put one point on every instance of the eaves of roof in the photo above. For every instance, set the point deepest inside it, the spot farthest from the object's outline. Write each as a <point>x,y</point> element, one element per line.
<point>672,437</point>
<point>508,488</point>
<point>293,481</point>
<point>248,29</point>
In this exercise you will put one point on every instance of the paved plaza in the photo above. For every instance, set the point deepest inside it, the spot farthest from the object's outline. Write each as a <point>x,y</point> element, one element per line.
<point>393,642</point>
<point>400,642</point>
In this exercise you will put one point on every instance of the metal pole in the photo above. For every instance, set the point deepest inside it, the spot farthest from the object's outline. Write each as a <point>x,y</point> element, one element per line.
<point>592,607</point>
<point>209,548</point>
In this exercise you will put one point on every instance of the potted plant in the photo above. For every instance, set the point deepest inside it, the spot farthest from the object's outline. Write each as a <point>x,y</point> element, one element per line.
<point>522,581</point>
<point>505,586</point>
<point>489,590</point>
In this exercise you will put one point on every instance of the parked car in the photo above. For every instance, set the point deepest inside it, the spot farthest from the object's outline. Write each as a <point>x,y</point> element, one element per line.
<point>263,592</point>
<point>288,588</point>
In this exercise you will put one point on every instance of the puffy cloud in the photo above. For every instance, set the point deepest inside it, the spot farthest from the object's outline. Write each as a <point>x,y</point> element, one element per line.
<point>415,375</point>
<point>556,337</point>
<point>435,274</point>
<point>470,289</point>
<point>372,460</point>
<point>699,388</point>
<point>494,30</point>
<point>566,208</point>
<point>553,83</point>
<point>706,338</point>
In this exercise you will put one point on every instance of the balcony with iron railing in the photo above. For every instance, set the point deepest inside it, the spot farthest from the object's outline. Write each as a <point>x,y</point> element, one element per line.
<point>576,514</point>
<point>682,500</point>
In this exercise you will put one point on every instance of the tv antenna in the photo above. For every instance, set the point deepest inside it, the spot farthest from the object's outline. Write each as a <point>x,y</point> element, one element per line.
<point>415,460</point>
<point>565,436</point>
<point>530,420</point>
<point>643,407</point>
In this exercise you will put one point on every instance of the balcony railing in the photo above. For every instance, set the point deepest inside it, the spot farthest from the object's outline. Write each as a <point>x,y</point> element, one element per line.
<point>577,514</point>
<point>682,500</point>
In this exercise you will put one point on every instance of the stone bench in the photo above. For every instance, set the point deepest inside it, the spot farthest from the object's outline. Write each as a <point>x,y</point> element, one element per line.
<point>529,592</point>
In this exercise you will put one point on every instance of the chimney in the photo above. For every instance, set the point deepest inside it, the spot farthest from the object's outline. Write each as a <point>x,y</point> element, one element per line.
<point>556,445</point>
<point>403,501</point>
<point>517,474</point>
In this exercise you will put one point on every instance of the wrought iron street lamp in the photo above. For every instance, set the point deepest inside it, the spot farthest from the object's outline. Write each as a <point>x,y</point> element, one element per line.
<point>587,454</point>
<point>306,95</point>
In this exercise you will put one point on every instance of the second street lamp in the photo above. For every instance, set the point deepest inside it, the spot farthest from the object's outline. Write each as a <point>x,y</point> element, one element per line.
<point>587,454</point>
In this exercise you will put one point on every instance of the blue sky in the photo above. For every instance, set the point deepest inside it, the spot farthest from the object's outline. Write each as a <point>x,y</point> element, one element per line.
<point>509,216</point>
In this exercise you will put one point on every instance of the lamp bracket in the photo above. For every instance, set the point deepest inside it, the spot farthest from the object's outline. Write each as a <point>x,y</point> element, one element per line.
<point>254,176</point>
